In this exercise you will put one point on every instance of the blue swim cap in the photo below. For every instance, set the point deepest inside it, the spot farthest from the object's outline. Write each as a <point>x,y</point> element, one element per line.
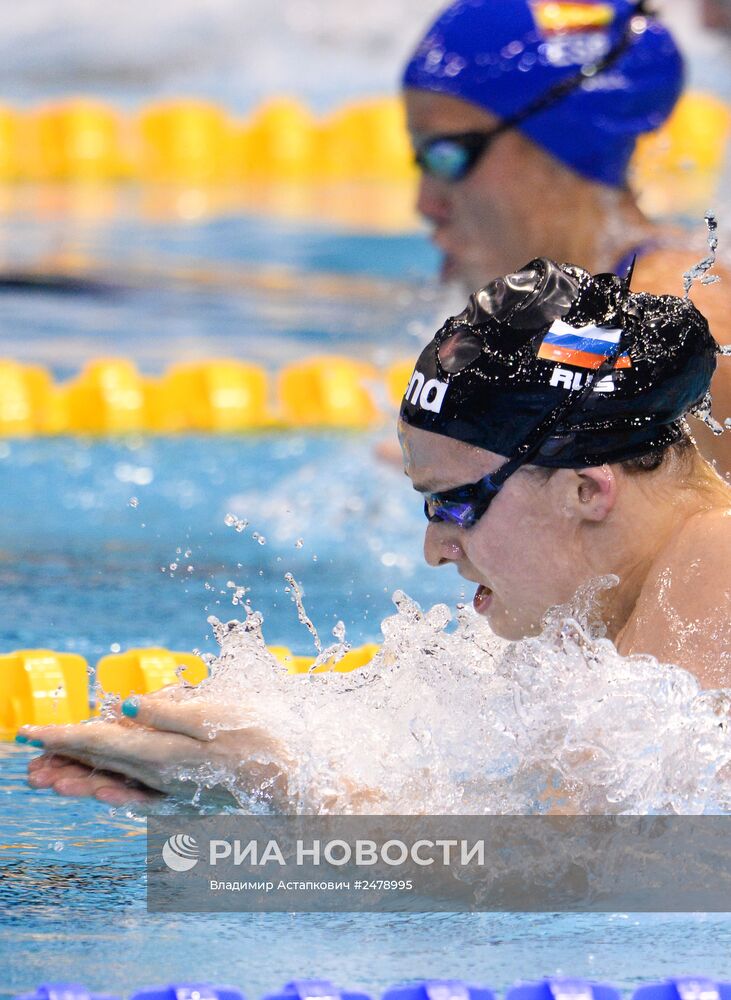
<point>504,54</point>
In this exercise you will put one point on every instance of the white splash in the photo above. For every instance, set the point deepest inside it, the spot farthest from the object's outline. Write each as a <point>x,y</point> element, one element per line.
<point>461,722</point>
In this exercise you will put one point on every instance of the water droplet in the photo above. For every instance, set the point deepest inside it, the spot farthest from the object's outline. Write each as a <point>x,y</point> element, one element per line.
<point>133,502</point>
<point>299,543</point>
<point>173,567</point>
<point>231,521</point>
<point>698,271</point>
<point>115,647</point>
<point>296,593</point>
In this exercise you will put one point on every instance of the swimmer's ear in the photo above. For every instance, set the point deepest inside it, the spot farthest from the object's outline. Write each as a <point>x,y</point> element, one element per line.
<point>595,491</point>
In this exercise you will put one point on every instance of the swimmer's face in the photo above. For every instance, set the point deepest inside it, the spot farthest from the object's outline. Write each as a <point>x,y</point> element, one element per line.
<point>529,550</point>
<point>482,224</point>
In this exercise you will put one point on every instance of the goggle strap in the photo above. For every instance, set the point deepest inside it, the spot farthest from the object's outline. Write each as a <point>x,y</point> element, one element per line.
<point>563,88</point>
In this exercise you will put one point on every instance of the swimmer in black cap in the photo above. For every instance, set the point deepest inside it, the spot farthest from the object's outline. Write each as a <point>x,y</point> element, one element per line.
<point>544,428</point>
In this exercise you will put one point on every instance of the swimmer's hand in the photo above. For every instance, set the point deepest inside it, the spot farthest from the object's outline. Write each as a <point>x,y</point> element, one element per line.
<point>67,777</point>
<point>172,745</point>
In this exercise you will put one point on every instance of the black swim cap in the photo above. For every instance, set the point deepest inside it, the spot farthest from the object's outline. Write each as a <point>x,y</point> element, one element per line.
<point>568,369</point>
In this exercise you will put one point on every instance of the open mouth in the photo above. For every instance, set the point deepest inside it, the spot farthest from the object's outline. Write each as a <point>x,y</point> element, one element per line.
<point>482,599</point>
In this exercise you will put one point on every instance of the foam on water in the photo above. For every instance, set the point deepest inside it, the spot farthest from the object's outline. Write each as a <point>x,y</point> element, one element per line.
<point>448,718</point>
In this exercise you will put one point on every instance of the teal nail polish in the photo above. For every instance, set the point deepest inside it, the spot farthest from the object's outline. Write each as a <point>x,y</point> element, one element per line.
<point>131,707</point>
<point>35,743</point>
<point>21,739</point>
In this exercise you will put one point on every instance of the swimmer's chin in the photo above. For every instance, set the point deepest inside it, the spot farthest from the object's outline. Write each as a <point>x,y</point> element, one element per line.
<point>450,270</point>
<point>502,623</point>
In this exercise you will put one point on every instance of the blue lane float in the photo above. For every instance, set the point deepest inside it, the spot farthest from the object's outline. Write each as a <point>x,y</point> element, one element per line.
<point>439,989</point>
<point>564,989</point>
<point>314,989</point>
<point>64,991</point>
<point>681,988</point>
<point>188,991</point>
<point>684,988</point>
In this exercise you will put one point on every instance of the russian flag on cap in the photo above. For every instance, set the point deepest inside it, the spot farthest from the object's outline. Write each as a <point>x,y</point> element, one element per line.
<point>582,346</point>
<point>562,989</point>
<point>684,988</point>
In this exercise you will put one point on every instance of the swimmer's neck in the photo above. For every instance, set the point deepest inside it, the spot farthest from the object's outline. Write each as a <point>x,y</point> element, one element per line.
<point>607,224</point>
<point>604,223</point>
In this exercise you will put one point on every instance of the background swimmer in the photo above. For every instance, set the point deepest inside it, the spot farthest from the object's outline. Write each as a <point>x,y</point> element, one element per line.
<point>523,120</point>
<point>544,426</point>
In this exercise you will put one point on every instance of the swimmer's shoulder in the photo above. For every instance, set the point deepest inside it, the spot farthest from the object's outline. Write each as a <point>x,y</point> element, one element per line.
<point>702,546</point>
<point>660,271</point>
<point>683,613</point>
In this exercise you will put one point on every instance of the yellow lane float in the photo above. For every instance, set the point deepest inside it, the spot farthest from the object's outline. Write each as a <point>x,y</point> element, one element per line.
<point>190,141</point>
<point>141,671</point>
<point>41,687</point>
<point>327,392</point>
<point>111,397</point>
<point>79,140</point>
<point>193,142</point>
<point>224,395</point>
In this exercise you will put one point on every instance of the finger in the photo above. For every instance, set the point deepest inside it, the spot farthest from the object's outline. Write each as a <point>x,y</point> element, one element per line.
<point>197,718</point>
<point>172,693</point>
<point>45,760</point>
<point>112,795</point>
<point>46,777</point>
<point>34,735</point>
<point>104,785</point>
<point>49,761</point>
<point>142,754</point>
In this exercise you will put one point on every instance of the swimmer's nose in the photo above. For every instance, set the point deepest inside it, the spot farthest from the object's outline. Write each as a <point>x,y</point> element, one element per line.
<point>441,545</point>
<point>433,200</point>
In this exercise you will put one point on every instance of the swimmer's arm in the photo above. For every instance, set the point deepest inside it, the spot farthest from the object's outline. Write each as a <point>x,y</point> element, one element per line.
<point>683,615</point>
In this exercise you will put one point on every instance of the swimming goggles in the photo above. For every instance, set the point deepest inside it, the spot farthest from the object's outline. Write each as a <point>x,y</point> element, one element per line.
<point>452,156</point>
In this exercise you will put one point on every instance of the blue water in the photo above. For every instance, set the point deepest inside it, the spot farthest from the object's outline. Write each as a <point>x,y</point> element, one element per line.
<point>74,909</point>
<point>83,570</point>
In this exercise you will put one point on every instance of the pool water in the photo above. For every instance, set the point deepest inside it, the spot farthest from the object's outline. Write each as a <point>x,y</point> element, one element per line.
<point>83,569</point>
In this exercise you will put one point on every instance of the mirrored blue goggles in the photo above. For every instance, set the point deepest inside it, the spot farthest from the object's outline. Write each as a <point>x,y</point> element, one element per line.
<point>451,157</point>
<point>465,505</point>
